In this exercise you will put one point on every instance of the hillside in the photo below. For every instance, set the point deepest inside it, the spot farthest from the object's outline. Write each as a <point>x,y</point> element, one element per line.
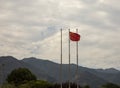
<point>48,70</point>
<point>11,63</point>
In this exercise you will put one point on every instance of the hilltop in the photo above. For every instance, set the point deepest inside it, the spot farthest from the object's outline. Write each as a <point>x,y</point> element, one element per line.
<point>48,70</point>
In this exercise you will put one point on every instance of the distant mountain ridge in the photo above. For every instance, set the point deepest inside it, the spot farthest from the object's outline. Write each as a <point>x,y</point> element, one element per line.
<point>48,70</point>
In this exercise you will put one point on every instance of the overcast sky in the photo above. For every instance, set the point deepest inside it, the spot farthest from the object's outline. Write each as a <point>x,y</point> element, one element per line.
<point>31,28</point>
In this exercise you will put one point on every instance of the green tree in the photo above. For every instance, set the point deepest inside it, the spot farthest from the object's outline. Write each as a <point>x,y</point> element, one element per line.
<point>20,76</point>
<point>6,85</point>
<point>86,86</point>
<point>110,85</point>
<point>36,84</point>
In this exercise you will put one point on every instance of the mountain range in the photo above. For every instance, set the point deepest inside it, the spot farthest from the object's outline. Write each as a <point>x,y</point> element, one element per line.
<point>48,70</point>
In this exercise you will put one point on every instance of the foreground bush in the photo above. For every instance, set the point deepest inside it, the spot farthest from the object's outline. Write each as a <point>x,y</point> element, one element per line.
<point>36,84</point>
<point>20,76</point>
<point>110,85</point>
<point>7,86</point>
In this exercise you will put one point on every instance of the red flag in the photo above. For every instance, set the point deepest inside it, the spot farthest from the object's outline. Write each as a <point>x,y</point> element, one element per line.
<point>74,36</point>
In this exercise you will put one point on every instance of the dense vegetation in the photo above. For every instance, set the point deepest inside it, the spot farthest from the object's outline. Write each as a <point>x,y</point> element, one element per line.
<point>20,76</point>
<point>23,78</point>
<point>110,85</point>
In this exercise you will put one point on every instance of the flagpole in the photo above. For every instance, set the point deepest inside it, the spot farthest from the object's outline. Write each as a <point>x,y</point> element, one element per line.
<point>1,74</point>
<point>61,62</point>
<point>69,59</point>
<point>77,59</point>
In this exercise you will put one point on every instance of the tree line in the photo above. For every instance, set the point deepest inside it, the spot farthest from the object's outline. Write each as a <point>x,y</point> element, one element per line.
<point>24,78</point>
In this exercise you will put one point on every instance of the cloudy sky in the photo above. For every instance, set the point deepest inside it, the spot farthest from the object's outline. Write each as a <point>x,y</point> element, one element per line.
<point>31,28</point>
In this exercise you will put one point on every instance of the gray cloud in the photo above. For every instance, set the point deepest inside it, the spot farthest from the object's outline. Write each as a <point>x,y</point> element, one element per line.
<point>32,28</point>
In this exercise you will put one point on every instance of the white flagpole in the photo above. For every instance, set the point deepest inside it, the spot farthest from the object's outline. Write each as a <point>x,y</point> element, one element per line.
<point>61,62</point>
<point>2,74</point>
<point>69,59</point>
<point>77,59</point>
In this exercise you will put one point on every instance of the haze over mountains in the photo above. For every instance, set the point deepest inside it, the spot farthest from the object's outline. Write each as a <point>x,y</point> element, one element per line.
<point>48,70</point>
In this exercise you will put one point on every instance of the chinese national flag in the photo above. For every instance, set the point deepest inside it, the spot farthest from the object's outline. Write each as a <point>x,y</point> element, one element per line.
<point>74,36</point>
